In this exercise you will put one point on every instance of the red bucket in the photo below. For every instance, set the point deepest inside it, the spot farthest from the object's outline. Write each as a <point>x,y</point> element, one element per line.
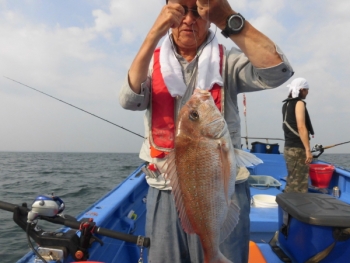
<point>321,174</point>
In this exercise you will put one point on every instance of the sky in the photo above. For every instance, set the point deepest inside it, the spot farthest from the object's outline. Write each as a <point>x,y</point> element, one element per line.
<point>80,51</point>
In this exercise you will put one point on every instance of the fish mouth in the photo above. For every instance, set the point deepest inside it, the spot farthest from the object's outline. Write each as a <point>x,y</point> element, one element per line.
<point>202,95</point>
<point>202,92</point>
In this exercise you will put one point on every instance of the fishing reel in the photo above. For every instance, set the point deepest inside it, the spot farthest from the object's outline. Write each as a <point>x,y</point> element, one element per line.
<point>317,148</point>
<point>45,205</point>
<point>55,246</point>
<point>66,245</point>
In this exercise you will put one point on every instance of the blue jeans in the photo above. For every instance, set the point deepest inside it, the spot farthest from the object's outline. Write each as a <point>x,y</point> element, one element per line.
<point>170,243</point>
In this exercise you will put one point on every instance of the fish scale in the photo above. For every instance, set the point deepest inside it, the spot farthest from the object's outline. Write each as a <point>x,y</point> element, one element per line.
<point>204,161</point>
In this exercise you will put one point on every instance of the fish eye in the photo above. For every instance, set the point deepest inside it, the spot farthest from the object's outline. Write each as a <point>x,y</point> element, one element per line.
<point>194,115</point>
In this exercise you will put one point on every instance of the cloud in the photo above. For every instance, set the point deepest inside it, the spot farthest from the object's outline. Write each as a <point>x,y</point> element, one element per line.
<point>61,59</point>
<point>133,18</point>
<point>81,55</point>
<point>265,6</point>
<point>320,52</point>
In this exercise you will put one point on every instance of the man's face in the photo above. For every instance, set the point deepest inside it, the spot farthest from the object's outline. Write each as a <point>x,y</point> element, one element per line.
<point>193,30</point>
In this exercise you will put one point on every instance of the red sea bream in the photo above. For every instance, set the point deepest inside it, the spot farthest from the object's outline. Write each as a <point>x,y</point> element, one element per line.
<point>202,172</point>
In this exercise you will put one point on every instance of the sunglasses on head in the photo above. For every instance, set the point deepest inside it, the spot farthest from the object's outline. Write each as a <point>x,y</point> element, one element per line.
<point>193,11</point>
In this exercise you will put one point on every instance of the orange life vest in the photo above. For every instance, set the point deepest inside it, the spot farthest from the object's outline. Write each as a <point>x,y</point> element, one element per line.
<point>162,134</point>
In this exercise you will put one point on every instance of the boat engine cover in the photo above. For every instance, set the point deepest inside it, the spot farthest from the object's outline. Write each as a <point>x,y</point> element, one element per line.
<point>310,223</point>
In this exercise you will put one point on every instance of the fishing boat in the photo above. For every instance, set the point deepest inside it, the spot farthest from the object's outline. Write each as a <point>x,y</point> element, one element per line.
<point>285,227</point>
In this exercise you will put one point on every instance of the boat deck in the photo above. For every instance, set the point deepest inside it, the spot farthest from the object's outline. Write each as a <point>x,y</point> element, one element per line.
<point>264,220</point>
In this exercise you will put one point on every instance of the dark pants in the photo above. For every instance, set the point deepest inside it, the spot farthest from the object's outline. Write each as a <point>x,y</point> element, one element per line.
<point>298,171</point>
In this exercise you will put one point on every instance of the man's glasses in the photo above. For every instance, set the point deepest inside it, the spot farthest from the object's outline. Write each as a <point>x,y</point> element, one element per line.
<point>193,11</point>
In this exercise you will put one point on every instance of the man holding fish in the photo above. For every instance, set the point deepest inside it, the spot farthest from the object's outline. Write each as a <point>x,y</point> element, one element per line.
<point>199,196</point>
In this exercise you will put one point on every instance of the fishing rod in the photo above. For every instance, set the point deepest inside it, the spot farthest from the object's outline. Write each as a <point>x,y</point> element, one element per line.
<point>74,106</point>
<point>330,146</point>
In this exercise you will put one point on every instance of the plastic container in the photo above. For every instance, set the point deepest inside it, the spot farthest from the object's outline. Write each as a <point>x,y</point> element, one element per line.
<point>321,174</point>
<point>308,224</point>
<point>260,147</point>
<point>266,201</point>
<point>260,181</point>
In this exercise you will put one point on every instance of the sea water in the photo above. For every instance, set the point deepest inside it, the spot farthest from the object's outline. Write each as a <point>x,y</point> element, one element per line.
<point>79,179</point>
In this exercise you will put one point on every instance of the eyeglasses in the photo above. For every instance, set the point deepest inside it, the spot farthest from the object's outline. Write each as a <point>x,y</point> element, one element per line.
<point>193,11</point>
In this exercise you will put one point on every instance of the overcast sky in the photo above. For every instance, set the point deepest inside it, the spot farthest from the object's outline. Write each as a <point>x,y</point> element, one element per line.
<point>79,51</point>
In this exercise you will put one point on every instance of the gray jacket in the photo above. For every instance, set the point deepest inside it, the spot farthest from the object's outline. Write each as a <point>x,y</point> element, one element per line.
<point>239,76</point>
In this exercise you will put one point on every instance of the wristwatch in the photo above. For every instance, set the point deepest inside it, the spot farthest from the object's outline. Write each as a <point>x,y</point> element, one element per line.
<point>234,25</point>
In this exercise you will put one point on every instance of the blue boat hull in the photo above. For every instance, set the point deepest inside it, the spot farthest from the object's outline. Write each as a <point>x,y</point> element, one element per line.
<point>124,208</point>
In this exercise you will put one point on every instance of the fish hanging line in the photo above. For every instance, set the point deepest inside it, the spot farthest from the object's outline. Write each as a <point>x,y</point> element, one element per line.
<point>75,107</point>
<point>245,118</point>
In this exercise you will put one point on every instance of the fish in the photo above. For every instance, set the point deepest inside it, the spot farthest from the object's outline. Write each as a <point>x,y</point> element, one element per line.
<point>202,171</point>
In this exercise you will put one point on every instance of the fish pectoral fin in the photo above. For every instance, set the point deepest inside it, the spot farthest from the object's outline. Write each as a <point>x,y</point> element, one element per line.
<point>230,222</point>
<point>170,166</point>
<point>244,159</point>
<point>171,174</point>
<point>185,222</point>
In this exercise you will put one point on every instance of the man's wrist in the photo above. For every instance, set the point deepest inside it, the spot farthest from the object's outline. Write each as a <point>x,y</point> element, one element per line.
<point>234,25</point>
<point>223,23</point>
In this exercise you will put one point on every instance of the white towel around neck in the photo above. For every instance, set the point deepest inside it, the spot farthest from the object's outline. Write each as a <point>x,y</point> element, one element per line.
<point>208,67</point>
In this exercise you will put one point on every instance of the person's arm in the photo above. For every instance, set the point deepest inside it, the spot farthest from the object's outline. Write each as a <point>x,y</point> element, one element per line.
<point>259,49</point>
<point>170,16</point>
<point>302,130</point>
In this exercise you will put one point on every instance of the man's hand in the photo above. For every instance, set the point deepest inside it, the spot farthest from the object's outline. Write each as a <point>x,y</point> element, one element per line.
<point>216,11</point>
<point>170,16</point>
<point>259,49</point>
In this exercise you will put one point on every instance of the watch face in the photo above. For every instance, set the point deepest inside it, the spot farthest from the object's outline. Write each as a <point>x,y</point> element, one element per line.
<point>235,23</point>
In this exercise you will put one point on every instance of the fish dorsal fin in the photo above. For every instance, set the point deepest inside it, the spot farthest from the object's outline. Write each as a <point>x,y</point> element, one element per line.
<point>171,174</point>
<point>230,222</point>
<point>244,159</point>
<point>224,153</point>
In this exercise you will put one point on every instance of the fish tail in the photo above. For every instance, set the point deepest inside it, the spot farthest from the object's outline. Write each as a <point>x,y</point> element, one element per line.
<point>244,158</point>
<point>221,259</point>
